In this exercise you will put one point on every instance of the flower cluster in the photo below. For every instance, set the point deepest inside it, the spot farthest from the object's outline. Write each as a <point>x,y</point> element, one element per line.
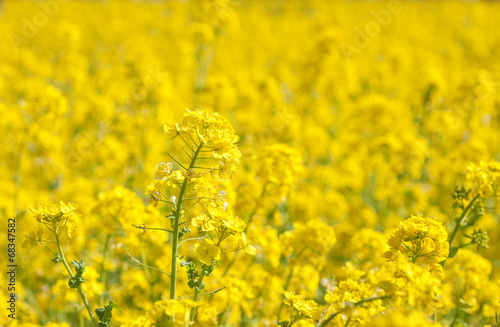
<point>300,308</point>
<point>55,216</point>
<point>423,240</point>
<point>415,286</point>
<point>485,178</point>
<point>220,225</point>
<point>309,242</point>
<point>349,298</point>
<point>213,132</point>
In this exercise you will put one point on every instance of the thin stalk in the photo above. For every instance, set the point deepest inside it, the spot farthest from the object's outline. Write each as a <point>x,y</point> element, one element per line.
<point>152,228</point>
<point>176,161</point>
<point>103,276</point>
<point>286,287</point>
<point>177,219</point>
<point>145,265</point>
<point>188,145</point>
<point>201,294</point>
<point>459,221</point>
<point>195,297</point>
<point>79,288</point>
<point>189,155</point>
<point>197,291</point>
<point>325,322</point>
<point>195,142</point>
<point>40,242</point>
<point>175,181</point>
<point>187,210</point>
<point>250,217</point>
<point>199,198</point>
<point>191,239</point>
<point>294,321</point>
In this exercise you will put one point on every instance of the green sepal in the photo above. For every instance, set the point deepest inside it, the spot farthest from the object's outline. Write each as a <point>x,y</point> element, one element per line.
<point>77,280</point>
<point>57,258</point>
<point>183,231</point>
<point>199,288</point>
<point>104,314</point>
<point>207,270</point>
<point>192,273</point>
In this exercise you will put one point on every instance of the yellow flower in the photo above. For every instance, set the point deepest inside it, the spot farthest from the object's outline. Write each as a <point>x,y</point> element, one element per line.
<point>154,192</point>
<point>210,221</point>
<point>485,178</point>
<point>60,215</point>
<point>246,245</point>
<point>177,130</point>
<point>207,251</point>
<point>163,170</point>
<point>191,175</point>
<point>32,238</point>
<point>423,240</point>
<point>234,224</point>
<point>304,308</point>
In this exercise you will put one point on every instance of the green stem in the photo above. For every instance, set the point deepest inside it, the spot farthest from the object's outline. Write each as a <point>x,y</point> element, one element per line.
<point>79,288</point>
<point>191,239</point>
<point>197,291</point>
<point>195,297</point>
<point>103,276</point>
<point>208,293</point>
<point>459,221</point>
<point>177,218</point>
<point>286,287</point>
<point>137,262</point>
<point>151,228</point>
<point>294,321</point>
<point>355,304</point>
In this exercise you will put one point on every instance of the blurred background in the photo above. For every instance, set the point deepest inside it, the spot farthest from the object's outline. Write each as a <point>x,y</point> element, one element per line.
<point>360,112</point>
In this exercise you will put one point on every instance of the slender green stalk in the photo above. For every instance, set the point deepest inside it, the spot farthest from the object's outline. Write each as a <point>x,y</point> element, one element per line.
<point>459,221</point>
<point>103,275</point>
<point>191,239</point>
<point>195,296</point>
<point>289,278</point>
<point>145,265</point>
<point>201,294</point>
<point>176,161</point>
<point>144,228</point>
<point>177,218</point>
<point>79,288</point>
<point>355,304</point>
<point>197,291</point>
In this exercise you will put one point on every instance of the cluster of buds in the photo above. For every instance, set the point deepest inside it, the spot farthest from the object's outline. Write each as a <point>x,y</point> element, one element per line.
<point>479,238</point>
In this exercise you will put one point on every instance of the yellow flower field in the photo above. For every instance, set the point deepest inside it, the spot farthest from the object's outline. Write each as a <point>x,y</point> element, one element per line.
<point>250,163</point>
